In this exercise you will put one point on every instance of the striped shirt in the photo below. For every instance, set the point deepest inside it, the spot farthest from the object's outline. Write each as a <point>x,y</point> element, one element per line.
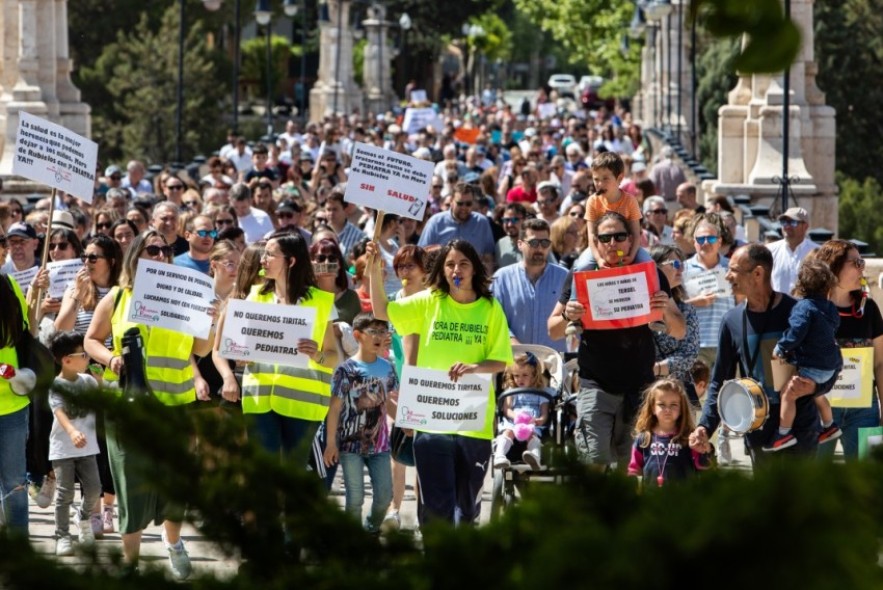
<point>710,317</point>
<point>84,317</point>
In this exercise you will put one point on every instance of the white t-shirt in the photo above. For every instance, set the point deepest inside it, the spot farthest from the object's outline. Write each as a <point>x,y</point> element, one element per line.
<point>60,444</point>
<point>256,225</point>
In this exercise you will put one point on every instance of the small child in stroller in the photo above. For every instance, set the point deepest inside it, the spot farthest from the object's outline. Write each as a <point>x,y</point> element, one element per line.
<point>524,415</point>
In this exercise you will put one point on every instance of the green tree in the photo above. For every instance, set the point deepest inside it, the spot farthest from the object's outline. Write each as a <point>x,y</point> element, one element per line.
<point>140,72</point>
<point>860,214</point>
<point>254,62</point>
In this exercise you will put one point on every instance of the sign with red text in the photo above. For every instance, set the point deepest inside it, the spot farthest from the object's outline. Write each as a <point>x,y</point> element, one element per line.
<point>389,181</point>
<point>55,156</point>
<point>618,297</point>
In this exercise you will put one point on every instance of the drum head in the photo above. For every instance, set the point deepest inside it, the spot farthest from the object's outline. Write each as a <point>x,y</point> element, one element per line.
<point>735,408</point>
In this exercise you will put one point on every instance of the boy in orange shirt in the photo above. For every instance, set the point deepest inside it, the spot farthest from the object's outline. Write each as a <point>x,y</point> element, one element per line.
<point>608,170</point>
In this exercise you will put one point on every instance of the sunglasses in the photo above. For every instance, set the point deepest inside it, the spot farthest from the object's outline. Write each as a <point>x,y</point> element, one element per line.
<point>619,236</point>
<point>91,258</point>
<point>464,203</point>
<point>438,186</point>
<point>79,355</point>
<point>539,243</point>
<point>790,223</point>
<point>322,258</point>
<point>702,240</point>
<point>285,215</point>
<point>207,233</point>
<point>103,225</point>
<point>223,222</point>
<point>675,264</point>
<point>575,214</point>
<point>59,246</point>
<point>154,250</point>
<point>511,219</point>
<point>659,211</point>
<point>175,187</point>
<point>115,177</point>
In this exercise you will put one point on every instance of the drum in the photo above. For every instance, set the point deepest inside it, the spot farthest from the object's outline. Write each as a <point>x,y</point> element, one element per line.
<point>743,406</point>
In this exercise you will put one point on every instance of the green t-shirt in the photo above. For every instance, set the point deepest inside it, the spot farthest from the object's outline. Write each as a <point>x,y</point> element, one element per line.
<point>453,332</point>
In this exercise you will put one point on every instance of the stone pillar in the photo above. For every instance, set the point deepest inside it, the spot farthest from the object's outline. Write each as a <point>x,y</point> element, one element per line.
<point>73,113</point>
<point>750,144</point>
<point>376,69</point>
<point>335,83</point>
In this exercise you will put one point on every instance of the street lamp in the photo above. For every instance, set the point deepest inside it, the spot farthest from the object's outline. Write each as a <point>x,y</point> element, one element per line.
<point>474,31</point>
<point>262,16</point>
<point>405,24</point>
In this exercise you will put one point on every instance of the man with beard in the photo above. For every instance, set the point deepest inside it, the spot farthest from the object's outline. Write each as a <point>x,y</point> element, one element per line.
<point>462,223</point>
<point>529,290</point>
<point>200,234</point>
<point>507,252</point>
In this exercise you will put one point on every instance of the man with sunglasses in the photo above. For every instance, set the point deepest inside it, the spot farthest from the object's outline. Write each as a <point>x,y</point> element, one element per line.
<point>528,290</point>
<point>200,234</point>
<point>288,218</point>
<point>656,217</point>
<point>462,223</point>
<point>790,251</point>
<point>506,251</point>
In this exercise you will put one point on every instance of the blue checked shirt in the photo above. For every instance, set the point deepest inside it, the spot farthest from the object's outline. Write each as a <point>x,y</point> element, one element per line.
<point>710,317</point>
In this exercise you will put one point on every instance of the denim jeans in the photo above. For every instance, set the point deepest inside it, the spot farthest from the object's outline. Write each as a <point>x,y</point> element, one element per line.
<point>380,472</point>
<point>13,470</point>
<point>850,420</point>
<point>66,470</point>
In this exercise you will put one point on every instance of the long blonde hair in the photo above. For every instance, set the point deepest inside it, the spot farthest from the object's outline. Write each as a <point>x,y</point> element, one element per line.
<point>528,359</point>
<point>647,421</point>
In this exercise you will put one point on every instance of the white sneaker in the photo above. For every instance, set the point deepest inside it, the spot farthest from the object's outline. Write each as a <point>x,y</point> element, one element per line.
<point>533,459</point>
<point>392,522</point>
<point>179,560</point>
<point>86,536</point>
<point>501,461</point>
<point>64,547</point>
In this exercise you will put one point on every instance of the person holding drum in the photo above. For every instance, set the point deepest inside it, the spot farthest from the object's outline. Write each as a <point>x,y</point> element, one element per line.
<point>615,365</point>
<point>860,336</point>
<point>747,337</point>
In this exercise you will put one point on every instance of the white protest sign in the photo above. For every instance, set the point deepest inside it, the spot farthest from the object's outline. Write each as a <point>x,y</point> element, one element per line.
<point>24,277</point>
<point>388,181</point>
<point>266,333</point>
<point>419,96</point>
<point>61,274</point>
<point>417,119</point>
<point>702,282</point>
<point>172,297</point>
<point>619,298</point>
<point>430,402</point>
<point>546,110</point>
<point>55,156</point>
<point>854,387</point>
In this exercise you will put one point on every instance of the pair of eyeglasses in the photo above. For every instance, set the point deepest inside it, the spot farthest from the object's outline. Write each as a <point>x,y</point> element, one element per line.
<point>511,219</point>
<point>175,187</point>
<point>659,211</point>
<point>79,355</point>
<point>322,258</point>
<point>464,203</point>
<point>154,250</point>
<point>105,225</point>
<point>702,240</point>
<point>207,233</point>
<point>619,236</point>
<point>377,332</point>
<point>859,263</point>
<point>405,267</point>
<point>228,264</point>
<point>285,215</point>
<point>223,222</point>
<point>59,246</point>
<point>91,258</point>
<point>539,243</point>
<point>675,264</point>
<point>191,203</point>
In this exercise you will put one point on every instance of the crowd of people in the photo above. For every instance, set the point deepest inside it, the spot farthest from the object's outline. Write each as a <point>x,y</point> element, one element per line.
<point>516,206</point>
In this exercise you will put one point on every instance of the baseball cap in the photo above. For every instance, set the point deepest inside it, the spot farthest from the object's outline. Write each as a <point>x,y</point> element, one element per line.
<point>548,184</point>
<point>289,206</point>
<point>111,170</point>
<point>22,230</point>
<point>795,213</point>
<point>62,219</point>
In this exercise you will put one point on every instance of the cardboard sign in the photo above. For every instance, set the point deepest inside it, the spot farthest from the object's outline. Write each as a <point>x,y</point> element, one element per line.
<point>618,297</point>
<point>417,119</point>
<point>419,96</point>
<point>24,278</point>
<point>855,385</point>
<point>55,156</point>
<point>61,275</point>
<point>389,181</point>
<point>430,402</point>
<point>714,280</point>
<point>172,297</point>
<point>266,333</point>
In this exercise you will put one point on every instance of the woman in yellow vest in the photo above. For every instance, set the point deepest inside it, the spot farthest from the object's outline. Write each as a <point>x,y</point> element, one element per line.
<point>287,404</point>
<point>461,329</point>
<point>14,321</point>
<point>170,375</point>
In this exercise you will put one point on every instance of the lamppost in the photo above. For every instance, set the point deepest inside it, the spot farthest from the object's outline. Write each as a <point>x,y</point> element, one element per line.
<point>405,24</point>
<point>210,5</point>
<point>655,11</point>
<point>290,8</point>
<point>262,16</point>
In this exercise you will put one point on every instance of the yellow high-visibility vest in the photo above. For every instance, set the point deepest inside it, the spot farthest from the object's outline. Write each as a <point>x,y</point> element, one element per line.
<point>289,391</point>
<point>9,402</point>
<point>167,355</point>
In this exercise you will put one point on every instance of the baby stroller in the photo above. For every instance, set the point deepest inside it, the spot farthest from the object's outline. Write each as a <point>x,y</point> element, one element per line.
<point>509,480</point>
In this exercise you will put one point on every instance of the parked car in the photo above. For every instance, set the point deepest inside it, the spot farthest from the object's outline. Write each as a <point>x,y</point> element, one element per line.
<point>565,84</point>
<point>589,87</point>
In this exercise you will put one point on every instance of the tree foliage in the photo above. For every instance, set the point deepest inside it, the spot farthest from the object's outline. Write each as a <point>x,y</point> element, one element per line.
<point>140,73</point>
<point>715,72</point>
<point>860,213</point>
<point>254,62</point>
